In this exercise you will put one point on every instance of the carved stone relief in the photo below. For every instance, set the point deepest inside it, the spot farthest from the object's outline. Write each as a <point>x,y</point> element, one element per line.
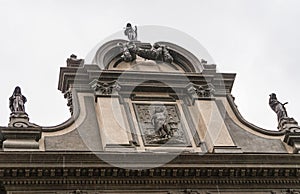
<point>157,52</point>
<point>69,97</point>
<point>160,124</point>
<point>131,49</point>
<point>291,191</point>
<point>78,191</point>
<point>105,88</point>
<point>201,91</point>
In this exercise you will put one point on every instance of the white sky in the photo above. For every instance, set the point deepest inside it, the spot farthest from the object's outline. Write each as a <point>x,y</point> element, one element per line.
<point>257,39</point>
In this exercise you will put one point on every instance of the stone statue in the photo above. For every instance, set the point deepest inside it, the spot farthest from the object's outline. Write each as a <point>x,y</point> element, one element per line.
<point>132,48</point>
<point>73,61</point>
<point>128,50</point>
<point>17,101</point>
<point>130,32</point>
<point>157,53</point>
<point>285,123</point>
<point>277,107</point>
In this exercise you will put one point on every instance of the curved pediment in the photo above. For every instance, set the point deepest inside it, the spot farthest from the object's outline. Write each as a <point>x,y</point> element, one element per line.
<point>111,56</point>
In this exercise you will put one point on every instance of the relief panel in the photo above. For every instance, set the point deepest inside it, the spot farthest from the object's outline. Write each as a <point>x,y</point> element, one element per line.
<point>161,124</point>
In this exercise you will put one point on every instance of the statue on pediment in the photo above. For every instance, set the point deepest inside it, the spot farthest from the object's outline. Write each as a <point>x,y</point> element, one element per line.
<point>130,32</point>
<point>128,50</point>
<point>133,48</point>
<point>277,107</point>
<point>17,101</point>
<point>74,61</point>
<point>158,52</point>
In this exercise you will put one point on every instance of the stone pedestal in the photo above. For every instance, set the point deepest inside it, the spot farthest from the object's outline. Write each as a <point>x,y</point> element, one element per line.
<point>19,139</point>
<point>20,134</point>
<point>292,136</point>
<point>288,124</point>
<point>20,119</point>
<point>293,139</point>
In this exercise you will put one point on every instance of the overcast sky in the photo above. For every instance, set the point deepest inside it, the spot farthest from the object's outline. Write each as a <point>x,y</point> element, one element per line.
<point>257,39</point>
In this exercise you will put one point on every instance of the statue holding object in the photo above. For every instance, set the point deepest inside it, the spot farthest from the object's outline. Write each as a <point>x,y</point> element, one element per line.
<point>131,49</point>
<point>130,32</point>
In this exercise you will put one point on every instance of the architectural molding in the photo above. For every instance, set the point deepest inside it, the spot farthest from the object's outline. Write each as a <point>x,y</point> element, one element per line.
<point>248,124</point>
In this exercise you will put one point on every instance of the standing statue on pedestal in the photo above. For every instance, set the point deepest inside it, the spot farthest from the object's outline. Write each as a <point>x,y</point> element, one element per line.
<point>130,32</point>
<point>284,122</point>
<point>130,50</point>
<point>17,101</point>
<point>18,116</point>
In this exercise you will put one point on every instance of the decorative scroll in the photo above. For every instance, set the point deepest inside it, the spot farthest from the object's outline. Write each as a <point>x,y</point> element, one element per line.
<point>160,124</point>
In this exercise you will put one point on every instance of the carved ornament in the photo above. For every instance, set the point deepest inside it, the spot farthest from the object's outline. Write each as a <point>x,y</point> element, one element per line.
<point>68,96</point>
<point>105,88</point>
<point>201,91</point>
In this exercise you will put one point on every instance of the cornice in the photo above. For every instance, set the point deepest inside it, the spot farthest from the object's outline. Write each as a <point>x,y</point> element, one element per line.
<point>84,75</point>
<point>38,159</point>
<point>185,171</point>
<point>159,177</point>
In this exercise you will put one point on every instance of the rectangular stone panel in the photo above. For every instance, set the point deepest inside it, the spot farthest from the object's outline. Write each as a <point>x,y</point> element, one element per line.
<point>160,124</point>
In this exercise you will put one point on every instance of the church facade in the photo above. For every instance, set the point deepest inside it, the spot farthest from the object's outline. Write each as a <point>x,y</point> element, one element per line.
<point>148,118</point>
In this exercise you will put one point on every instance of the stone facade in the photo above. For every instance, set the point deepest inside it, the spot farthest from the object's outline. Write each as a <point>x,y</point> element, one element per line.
<point>140,125</point>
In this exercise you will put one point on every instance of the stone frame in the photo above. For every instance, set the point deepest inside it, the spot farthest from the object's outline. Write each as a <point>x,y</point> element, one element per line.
<point>145,126</point>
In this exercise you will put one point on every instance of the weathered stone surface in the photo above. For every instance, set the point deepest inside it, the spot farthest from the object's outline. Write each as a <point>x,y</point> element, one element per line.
<point>249,142</point>
<point>160,124</point>
<point>20,135</point>
<point>73,61</point>
<point>21,139</point>
<point>113,123</point>
<point>85,137</point>
<point>119,134</point>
